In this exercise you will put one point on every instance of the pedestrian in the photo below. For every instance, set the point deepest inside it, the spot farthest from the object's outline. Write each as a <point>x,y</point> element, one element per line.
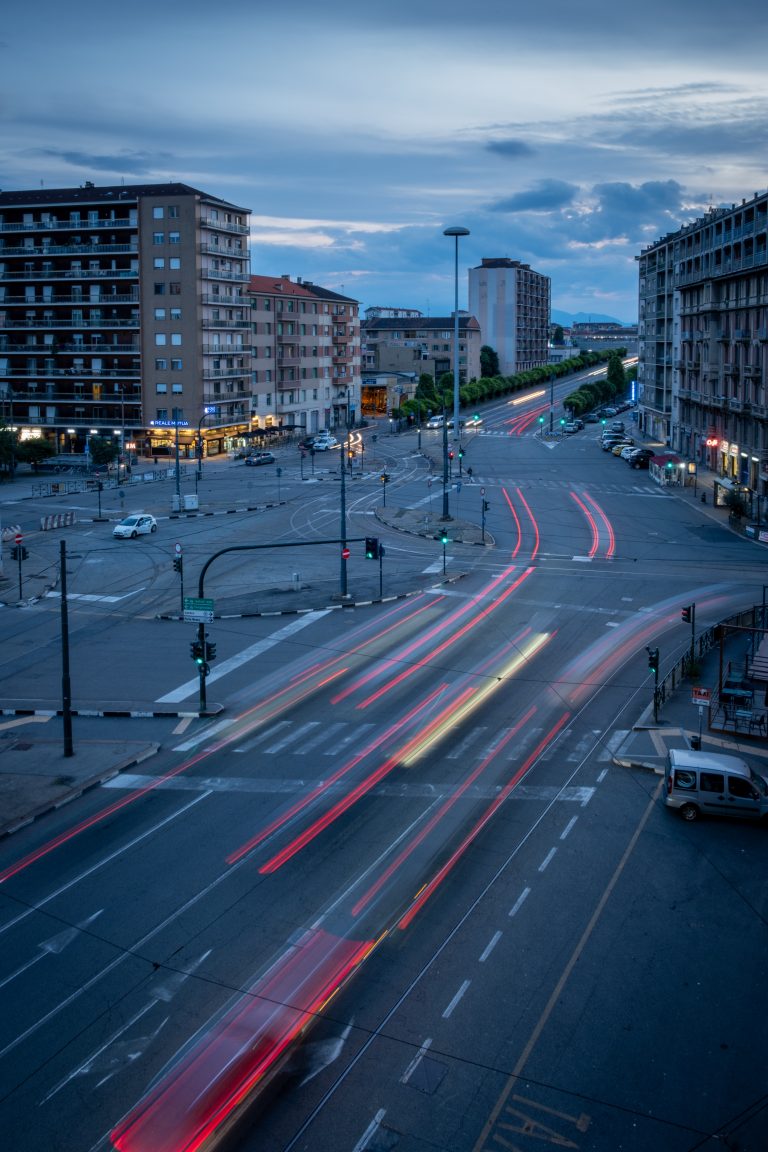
<point>469,473</point>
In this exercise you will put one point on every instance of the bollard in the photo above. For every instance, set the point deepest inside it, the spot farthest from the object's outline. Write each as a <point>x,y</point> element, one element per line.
<point>703,497</point>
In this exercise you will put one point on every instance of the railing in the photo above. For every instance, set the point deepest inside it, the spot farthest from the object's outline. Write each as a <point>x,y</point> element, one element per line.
<point>73,274</point>
<point>53,224</point>
<point>69,249</point>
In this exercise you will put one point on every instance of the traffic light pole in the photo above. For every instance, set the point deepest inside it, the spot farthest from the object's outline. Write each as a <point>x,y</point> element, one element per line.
<point>202,668</point>
<point>66,687</point>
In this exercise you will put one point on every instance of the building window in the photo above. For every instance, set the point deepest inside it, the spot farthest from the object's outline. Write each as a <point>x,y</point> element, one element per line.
<point>160,339</point>
<point>175,288</point>
<point>267,305</point>
<point>158,262</point>
<point>161,414</point>
<point>173,211</point>
<point>157,212</point>
<point>160,388</point>
<point>161,364</point>
<point>177,388</point>
<point>174,263</point>
<point>176,365</point>
<point>175,313</point>
<point>159,288</point>
<point>174,237</point>
<point>176,338</point>
<point>159,313</point>
<point>158,237</point>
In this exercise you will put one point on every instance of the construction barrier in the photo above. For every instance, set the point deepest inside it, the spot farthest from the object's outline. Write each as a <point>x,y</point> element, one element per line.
<point>57,520</point>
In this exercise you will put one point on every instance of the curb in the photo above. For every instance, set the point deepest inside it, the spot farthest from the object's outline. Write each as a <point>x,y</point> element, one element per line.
<point>75,792</point>
<point>120,713</point>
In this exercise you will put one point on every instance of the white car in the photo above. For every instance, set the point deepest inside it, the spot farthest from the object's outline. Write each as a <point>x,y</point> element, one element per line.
<point>323,443</point>
<point>140,524</point>
<point>435,422</point>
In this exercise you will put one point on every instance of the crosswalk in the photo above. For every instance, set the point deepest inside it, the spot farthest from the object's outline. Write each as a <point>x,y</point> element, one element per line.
<point>603,489</point>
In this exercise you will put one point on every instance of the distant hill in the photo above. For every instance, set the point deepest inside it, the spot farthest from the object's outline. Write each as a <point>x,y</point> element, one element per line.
<point>569,318</point>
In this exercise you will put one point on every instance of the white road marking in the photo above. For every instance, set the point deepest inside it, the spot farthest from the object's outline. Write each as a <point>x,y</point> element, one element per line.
<point>201,736</point>
<point>416,1061</point>
<point>448,1011</point>
<point>490,946</point>
<point>370,1131</point>
<point>547,859</point>
<point>234,662</point>
<point>568,827</point>
<point>519,902</point>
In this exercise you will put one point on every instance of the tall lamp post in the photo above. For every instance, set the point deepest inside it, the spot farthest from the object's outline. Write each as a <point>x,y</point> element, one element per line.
<point>343,531</point>
<point>456,231</point>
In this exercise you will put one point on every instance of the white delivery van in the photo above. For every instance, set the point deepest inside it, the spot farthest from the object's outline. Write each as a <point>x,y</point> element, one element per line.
<point>706,783</point>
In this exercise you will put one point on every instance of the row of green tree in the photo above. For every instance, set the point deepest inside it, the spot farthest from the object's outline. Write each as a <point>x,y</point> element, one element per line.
<point>432,397</point>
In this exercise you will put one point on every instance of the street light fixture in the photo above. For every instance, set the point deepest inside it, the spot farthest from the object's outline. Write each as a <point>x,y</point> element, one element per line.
<point>456,231</point>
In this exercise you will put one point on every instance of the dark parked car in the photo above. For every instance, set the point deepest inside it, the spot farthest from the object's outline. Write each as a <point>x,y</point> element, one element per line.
<point>260,458</point>
<point>640,457</point>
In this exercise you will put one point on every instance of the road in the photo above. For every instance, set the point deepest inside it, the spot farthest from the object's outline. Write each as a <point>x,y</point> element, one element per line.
<point>403,840</point>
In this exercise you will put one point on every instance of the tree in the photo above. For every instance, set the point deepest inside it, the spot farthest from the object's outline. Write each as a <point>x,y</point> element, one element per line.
<point>558,336</point>
<point>103,450</point>
<point>616,376</point>
<point>489,361</point>
<point>34,451</point>
<point>8,453</point>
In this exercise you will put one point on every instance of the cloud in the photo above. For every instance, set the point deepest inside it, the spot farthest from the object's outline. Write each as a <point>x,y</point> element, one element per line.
<point>544,197</point>
<point>127,162</point>
<point>512,148</point>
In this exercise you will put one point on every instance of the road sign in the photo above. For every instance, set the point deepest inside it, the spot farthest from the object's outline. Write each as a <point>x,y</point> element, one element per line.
<point>18,537</point>
<point>178,548</point>
<point>345,553</point>
<point>482,491</point>
<point>700,695</point>
<point>198,611</point>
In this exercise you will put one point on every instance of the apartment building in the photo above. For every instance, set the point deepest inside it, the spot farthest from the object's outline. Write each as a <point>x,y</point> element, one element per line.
<point>512,306</point>
<point>703,341</point>
<point>123,313</point>
<point>417,343</point>
<point>306,355</point>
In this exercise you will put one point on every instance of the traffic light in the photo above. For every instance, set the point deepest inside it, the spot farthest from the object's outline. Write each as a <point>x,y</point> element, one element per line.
<point>541,419</point>
<point>210,650</point>
<point>444,537</point>
<point>486,505</point>
<point>19,552</point>
<point>562,420</point>
<point>371,548</point>
<point>687,613</point>
<point>178,564</point>
<point>461,453</point>
<point>450,454</point>
<point>385,478</point>
<point>653,659</point>
<point>198,655</point>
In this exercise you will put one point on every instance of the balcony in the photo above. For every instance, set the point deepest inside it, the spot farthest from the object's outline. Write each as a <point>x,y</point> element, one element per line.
<point>220,274</point>
<point>54,224</point>
<point>105,322</point>
<point>36,274</point>
<point>752,370</point>
<point>70,250</point>
<point>223,226</point>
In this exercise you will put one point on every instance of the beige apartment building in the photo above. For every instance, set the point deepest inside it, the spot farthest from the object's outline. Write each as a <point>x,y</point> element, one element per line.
<point>413,343</point>
<point>703,342</point>
<point>306,355</point>
<point>512,306</point>
<point>123,312</point>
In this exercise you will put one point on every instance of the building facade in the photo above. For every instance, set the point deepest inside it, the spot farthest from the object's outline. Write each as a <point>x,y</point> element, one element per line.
<point>512,306</point>
<point>420,344</point>
<point>703,342</point>
<point>123,312</point>
<point>306,355</point>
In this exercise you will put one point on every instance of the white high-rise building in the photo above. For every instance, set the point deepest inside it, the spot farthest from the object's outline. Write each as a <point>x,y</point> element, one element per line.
<point>511,303</point>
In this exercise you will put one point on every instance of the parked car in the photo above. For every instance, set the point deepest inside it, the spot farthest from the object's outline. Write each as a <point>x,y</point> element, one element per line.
<point>570,426</point>
<point>140,524</point>
<point>258,458</point>
<point>619,448</point>
<point>627,451</point>
<point>609,442</point>
<point>324,443</point>
<point>592,418</point>
<point>640,457</point>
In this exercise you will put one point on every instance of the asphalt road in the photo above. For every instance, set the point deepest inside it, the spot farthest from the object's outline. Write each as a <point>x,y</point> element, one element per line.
<point>405,830</point>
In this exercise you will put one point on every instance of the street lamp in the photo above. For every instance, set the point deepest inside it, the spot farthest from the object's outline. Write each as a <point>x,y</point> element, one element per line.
<point>343,532</point>
<point>456,231</point>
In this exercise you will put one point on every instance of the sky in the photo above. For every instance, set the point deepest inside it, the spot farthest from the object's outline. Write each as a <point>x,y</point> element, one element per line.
<point>567,136</point>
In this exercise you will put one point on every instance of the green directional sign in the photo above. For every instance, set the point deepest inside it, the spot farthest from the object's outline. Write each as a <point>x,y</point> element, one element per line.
<point>197,610</point>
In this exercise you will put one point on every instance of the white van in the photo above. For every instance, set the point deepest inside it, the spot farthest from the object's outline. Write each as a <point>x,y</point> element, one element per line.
<point>707,783</point>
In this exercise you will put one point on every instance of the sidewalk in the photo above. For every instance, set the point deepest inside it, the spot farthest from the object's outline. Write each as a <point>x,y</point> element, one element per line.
<point>36,777</point>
